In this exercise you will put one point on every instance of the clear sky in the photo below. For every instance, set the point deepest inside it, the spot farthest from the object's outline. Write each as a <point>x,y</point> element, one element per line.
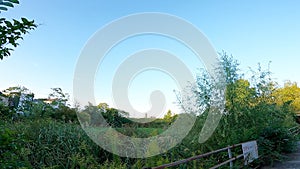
<point>252,31</point>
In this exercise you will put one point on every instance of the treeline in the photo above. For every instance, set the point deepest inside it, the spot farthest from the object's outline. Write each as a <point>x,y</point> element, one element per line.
<point>48,135</point>
<point>18,102</point>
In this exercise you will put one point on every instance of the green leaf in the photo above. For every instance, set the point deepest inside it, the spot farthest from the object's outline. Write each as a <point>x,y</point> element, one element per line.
<point>9,24</point>
<point>13,1</point>
<point>7,4</point>
<point>25,20</point>
<point>3,8</point>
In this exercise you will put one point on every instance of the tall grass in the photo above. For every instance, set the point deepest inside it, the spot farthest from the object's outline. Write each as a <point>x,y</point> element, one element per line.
<point>51,144</point>
<point>42,143</point>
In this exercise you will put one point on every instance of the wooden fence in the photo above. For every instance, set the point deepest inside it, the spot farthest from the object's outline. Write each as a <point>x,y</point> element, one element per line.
<point>229,161</point>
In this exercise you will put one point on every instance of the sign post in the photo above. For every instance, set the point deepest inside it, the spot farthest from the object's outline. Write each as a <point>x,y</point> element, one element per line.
<point>250,151</point>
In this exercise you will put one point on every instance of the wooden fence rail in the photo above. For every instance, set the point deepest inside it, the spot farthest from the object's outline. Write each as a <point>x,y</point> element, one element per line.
<point>294,130</point>
<point>230,160</point>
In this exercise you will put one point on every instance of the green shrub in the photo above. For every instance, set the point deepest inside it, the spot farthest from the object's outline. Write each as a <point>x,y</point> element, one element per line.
<point>274,142</point>
<point>12,152</point>
<point>5,111</point>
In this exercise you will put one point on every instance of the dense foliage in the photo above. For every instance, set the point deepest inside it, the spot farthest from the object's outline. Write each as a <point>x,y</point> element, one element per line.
<point>46,133</point>
<point>256,109</point>
<point>12,31</point>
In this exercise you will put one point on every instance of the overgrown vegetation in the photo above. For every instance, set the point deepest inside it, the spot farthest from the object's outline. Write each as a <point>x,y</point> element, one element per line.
<point>45,133</point>
<point>49,135</point>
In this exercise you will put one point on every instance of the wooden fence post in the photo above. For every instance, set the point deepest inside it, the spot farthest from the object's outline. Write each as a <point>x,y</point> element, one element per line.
<point>230,156</point>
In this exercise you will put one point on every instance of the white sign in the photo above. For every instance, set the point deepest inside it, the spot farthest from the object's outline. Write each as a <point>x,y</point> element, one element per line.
<point>250,151</point>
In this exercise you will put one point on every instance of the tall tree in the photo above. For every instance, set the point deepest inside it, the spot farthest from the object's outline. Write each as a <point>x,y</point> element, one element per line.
<point>20,98</point>
<point>59,97</point>
<point>289,94</point>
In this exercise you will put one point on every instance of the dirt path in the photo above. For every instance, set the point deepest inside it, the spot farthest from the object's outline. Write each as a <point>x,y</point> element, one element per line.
<point>293,161</point>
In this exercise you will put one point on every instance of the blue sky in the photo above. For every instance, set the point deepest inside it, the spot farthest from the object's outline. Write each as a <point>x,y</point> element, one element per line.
<point>252,31</point>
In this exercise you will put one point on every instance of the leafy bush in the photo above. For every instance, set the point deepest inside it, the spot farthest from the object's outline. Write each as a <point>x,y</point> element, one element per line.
<point>12,152</point>
<point>274,142</point>
<point>5,112</point>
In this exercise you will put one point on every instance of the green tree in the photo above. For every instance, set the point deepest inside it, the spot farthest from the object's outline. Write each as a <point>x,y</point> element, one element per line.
<point>205,84</point>
<point>113,116</point>
<point>104,106</point>
<point>12,31</point>
<point>239,95</point>
<point>250,106</point>
<point>59,98</point>
<point>169,117</point>
<point>289,94</point>
<point>20,98</point>
<point>60,107</point>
